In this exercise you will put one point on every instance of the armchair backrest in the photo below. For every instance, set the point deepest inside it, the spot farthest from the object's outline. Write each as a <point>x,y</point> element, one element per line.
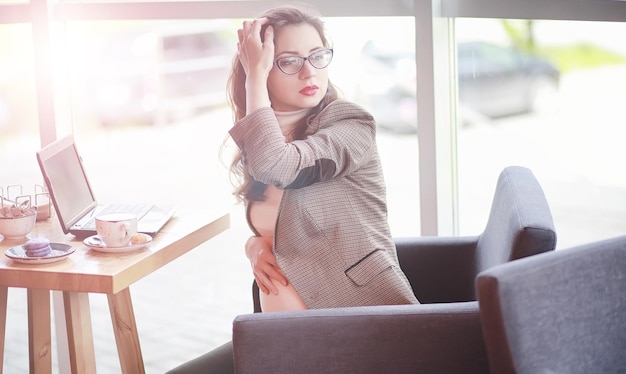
<point>520,223</point>
<point>559,312</point>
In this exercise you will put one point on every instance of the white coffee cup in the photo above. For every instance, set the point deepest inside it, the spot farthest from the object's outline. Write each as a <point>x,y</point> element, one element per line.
<point>116,229</point>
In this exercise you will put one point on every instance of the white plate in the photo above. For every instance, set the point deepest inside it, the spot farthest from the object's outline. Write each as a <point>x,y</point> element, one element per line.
<point>58,253</point>
<point>94,242</point>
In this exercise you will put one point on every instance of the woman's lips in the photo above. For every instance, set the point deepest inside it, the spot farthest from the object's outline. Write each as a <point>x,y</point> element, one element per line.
<point>309,90</point>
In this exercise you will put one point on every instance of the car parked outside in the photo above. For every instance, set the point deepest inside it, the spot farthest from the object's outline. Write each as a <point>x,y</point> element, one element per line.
<point>493,81</point>
<point>153,74</point>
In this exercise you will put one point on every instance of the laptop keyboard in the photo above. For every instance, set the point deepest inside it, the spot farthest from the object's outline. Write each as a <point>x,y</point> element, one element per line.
<point>139,210</point>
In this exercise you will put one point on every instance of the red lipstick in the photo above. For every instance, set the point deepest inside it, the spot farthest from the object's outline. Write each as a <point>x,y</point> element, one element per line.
<point>309,90</point>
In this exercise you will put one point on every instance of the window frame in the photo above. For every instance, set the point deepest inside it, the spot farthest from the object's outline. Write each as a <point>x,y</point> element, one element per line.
<point>436,87</point>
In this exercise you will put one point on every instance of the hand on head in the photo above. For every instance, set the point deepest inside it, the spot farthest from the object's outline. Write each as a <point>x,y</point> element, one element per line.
<point>256,56</point>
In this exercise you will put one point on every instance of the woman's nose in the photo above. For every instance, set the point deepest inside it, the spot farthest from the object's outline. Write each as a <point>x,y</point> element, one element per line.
<point>307,70</point>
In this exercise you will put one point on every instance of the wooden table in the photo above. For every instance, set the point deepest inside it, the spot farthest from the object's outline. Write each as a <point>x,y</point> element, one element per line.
<point>87,271</point>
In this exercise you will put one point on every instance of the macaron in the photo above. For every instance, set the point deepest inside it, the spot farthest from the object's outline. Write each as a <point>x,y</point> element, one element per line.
<point>37,247</point>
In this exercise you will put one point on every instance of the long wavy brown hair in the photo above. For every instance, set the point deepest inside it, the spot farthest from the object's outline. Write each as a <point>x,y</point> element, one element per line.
<point>245,186</point>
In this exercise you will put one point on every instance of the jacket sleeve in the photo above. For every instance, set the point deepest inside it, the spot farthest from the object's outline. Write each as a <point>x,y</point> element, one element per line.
<point>343,142</point>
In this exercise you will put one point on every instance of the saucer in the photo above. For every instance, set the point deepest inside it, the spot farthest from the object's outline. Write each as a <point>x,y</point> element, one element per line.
<point>94,242</point>
<point>58,253</point>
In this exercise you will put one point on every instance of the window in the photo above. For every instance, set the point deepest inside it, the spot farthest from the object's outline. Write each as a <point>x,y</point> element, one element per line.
<point>543,94</point>
<point>119,69</point>
<point>436,172</point>
<point>19,126</point>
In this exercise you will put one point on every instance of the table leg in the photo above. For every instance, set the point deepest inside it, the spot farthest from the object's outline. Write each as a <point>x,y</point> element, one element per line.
<point>126,336</point>
<point>79,332</point>
<point>39,327</point>
<point>3,322</point>
<point>60,327</point>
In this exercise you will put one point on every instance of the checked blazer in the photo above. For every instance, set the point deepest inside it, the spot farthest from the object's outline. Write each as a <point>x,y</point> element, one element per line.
<point>332,239</point>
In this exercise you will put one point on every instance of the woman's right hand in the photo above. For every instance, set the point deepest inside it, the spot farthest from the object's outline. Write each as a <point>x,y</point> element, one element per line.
<point>257,59</point>
<point>256,56</point>
<point>264,265</point>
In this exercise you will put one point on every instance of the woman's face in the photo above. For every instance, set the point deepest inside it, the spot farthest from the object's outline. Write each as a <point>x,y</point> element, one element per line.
<point>306,88</point>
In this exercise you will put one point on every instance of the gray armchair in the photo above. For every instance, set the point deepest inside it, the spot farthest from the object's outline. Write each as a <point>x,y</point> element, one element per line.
<point>441,335</point>
<point>560,312</point>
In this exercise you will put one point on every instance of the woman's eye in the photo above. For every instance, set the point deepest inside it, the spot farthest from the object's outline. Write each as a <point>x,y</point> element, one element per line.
<point>288,61</point>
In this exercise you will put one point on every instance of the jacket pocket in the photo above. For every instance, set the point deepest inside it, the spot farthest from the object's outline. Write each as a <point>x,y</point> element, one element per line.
<point>375,263</point>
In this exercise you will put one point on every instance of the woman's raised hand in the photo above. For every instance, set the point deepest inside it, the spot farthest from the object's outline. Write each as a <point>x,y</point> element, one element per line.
<point>256,57</point>
<point>264,265</point>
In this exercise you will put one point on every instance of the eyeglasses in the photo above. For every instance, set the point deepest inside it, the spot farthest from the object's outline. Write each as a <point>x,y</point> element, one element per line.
<point>291,65</point>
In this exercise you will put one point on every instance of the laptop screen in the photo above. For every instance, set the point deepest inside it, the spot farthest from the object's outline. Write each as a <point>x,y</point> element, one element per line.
<point>66,181</point>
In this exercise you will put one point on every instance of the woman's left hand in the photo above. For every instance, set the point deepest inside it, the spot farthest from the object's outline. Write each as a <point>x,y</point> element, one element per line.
<point>264,266</point>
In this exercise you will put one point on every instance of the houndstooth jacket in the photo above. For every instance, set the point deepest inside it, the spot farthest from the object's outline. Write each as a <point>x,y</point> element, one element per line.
<point>332,239</point>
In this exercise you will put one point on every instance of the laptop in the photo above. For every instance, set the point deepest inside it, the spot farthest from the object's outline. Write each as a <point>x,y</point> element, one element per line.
<point>73,197</point>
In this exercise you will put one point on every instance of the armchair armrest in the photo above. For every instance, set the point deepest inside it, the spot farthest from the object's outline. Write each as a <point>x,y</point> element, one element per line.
<point>440,269</point>
<point>435,338</point>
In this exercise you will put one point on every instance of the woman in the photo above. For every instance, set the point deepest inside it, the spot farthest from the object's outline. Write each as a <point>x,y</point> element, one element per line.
<point>310,177</point>
<point>309,172</point>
